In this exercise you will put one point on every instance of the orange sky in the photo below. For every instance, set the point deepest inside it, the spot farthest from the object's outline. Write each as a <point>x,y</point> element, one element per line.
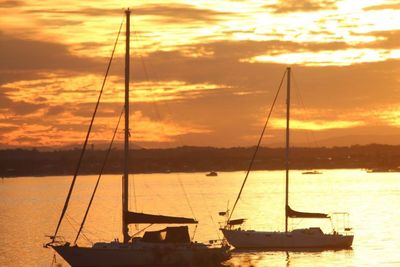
<point>211,70</point>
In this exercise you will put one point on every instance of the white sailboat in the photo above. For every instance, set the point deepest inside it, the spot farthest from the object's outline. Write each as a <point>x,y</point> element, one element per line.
<point>170,246</point>
<point>298,239</point>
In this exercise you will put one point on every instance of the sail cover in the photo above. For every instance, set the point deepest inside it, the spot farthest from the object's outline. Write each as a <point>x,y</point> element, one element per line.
<point>135,217</point>
<point>236,222</point>
<point>297,214</point>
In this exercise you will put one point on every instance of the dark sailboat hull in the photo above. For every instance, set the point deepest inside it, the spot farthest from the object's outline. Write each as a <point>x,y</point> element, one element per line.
<point>157,256</point>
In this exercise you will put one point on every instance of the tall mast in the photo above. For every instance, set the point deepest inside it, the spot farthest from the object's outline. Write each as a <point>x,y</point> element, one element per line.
<point>125,229</point>
<point>287,148</point>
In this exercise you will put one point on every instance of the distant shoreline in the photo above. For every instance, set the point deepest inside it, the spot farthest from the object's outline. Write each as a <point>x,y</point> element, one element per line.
<point>175,172</point>
<point>34,163</point>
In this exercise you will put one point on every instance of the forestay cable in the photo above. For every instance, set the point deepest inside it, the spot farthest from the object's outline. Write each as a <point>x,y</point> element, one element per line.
<point>257,147</point>
<point>87,138</point>
<point>99,177</point>
<point>159,118</point>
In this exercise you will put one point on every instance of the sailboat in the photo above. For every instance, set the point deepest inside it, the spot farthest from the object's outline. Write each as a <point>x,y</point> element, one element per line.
<point>312,238</point>
<point>170,246</point>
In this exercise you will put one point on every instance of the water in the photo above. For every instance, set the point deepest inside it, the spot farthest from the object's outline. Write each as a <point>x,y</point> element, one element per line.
<point>29,209</point>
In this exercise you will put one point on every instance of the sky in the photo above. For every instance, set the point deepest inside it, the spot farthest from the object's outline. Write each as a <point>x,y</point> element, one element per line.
<point>203,73</point>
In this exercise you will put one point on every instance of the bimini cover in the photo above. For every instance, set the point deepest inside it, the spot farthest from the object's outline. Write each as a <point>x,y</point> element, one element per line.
<point>177,234</point>
<point>135,218</point>
<point>297,214</point>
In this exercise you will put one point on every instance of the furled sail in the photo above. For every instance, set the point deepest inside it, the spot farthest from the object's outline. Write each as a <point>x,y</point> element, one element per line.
<point>236,222</point>
<point>297,214</point>
<point>135,217</point>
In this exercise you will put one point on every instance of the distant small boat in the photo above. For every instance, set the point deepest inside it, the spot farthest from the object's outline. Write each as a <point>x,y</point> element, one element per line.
<point>212,174</point>
<point>312,172</point>
<point>373,170</point>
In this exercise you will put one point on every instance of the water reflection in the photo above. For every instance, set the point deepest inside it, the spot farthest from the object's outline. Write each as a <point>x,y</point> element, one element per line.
<point>287,259</point>
<point>30,207</point>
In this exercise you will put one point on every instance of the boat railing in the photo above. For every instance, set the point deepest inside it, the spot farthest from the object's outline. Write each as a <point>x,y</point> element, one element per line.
<point>55,240</point>
<point>340,222</point>
<point>217,242</point>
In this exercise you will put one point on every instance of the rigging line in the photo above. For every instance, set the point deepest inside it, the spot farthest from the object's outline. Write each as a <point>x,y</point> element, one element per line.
<point>54,260</point>
<point>206,206</point>
<point>147,78</point>
<point>134,191</point>
<point>146,73</point>
<point>133,187</point>
<point>99,177</point>
<point>194,232</point>
<point>311,132</point>
<point>144,229</point>
<point>69,219</point>
<point>258,146</point>
<point>152,196</point>
<point>186,197</point>
<point>153,104</point>
<point>159,118</point>
<point>307,117</point>
<point>87,137</point>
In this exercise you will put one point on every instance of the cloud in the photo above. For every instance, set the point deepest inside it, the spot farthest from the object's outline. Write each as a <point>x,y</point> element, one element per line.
<point>10,3</point>
<point>10,107</point>
<point>27,140</point>
<point>290,6</point>
<point>51,130</point>
<point>329,58</point>
<point>150,131</point>
<point>93,11</point>
<point>4,100</point>
<point>243,49</point>
<point>358,82</point>
<point>383,7</point>
<point>55,110</point>
<point>24,108</point>
<point>61,22</point>
<point>179,13</point>
<point>6,128</point>
<point>170,13</point>
<point>7,76</point>
<point>198,90</point>
<point>316,125</point>
<point>384,39</point>
<point>24,55</point>
<point>69,90</point>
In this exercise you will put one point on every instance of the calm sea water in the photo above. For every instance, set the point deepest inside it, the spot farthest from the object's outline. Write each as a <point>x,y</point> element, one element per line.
<point>29,209</point>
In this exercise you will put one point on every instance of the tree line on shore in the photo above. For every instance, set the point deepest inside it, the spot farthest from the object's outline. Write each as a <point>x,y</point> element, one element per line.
<point>33,162</point>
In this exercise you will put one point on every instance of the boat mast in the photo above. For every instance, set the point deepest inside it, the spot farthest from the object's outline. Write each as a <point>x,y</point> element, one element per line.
<point>287,148</point>
<point>125,228</point>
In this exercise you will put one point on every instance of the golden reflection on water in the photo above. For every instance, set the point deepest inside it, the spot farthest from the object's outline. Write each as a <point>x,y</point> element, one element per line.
<point>30,207</point>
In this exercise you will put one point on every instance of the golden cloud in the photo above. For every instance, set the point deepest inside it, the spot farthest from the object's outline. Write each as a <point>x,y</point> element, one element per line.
<point>63,89</point>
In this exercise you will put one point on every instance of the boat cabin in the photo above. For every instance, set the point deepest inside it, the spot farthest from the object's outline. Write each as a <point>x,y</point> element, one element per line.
<point>178,234</point>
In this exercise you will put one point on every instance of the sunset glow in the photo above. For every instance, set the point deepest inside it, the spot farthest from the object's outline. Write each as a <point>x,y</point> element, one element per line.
<point>203,72</point>
<point>316,125</point>
<point>331,58</point>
